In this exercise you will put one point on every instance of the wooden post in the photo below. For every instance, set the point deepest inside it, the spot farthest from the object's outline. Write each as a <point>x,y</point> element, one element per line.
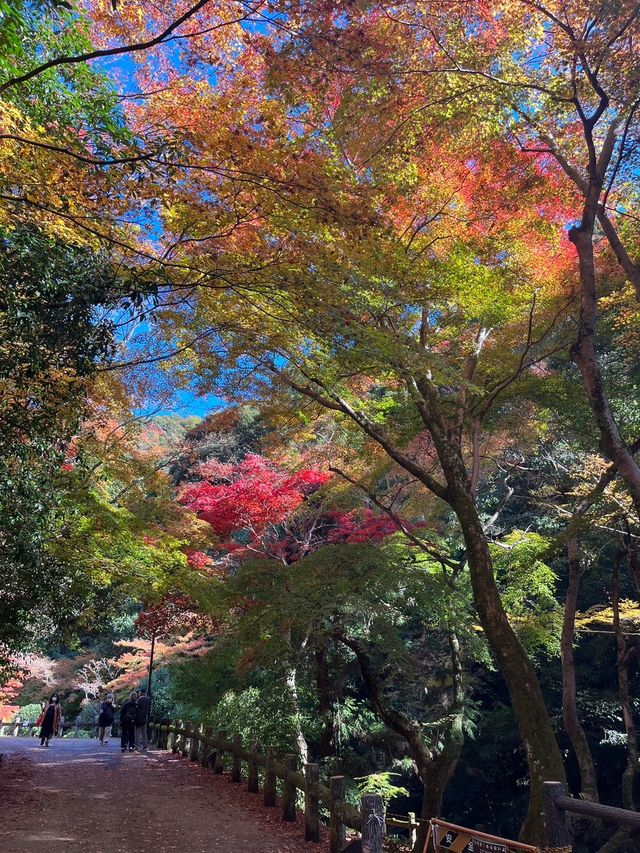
<point>218,766</point>
<point>372,811</point>
<point>236,766</point>
<point>178,743</point>
<point>337,834</point>
<point>164,734</point>
<point>413,829</point>
<point>196,741</point>
<point>289,790</point>
<point>76,729</point>
<point>171,736</point>
<point>16,729</point>
<point>556,822</point>
<point>184,749</point>
<point>270,794</point>
<point>207,746</point>
<point>311,804</point>
<point>252,770</point>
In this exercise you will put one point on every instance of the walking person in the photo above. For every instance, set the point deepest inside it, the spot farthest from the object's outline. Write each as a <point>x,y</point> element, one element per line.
<point>128,723</point>
<point>49,720</point>
<point>105,720</point>
<point>142,719</point>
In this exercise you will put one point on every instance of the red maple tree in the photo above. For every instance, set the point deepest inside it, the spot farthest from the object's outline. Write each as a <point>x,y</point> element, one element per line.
<point>251,506</point>
<point>362,526</point>
<point>176,614</point>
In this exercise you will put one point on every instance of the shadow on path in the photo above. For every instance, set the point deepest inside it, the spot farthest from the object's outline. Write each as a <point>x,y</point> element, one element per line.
<point>79,796</point>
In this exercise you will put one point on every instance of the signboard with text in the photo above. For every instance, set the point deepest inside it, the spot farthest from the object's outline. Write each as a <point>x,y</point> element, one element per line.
<point>449,838</point>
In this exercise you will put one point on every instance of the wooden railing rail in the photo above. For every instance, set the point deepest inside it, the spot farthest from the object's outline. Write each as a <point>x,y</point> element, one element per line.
<point>558,805</point>
<point>219,751</point>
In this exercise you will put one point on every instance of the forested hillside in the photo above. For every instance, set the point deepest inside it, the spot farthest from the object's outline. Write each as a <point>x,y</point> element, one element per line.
<point>398,246</point>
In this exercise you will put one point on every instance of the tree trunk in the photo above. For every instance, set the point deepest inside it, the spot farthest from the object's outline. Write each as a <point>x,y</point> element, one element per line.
<point>435,778</point>
<point>436,773</point>
<point>301,742</point>
<point>292,684</point>
<point>584,355</point>
<point>435,767</point>
<point>622,661</point>
<point>572,725</point>
<point>542,751</point>
<point>325,746</point>
<point>633,565</point>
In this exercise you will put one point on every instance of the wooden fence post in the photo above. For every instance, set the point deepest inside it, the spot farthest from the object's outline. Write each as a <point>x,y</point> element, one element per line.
<point>269,792</point>
<point>177,742</point>
<point>337,834</point>
<point>372,812</point>
<point>557,827</point>
<point>218,766</point>
<point>164,733</point>
<point>196,742</point>
<point>289,790</point>
<point>16,729</point>
<point>171,736</point>
<point>236,767</point>
<point>207,746</point>
<point>311,804</point>
<point>252,770</point>
<point>184,749</point>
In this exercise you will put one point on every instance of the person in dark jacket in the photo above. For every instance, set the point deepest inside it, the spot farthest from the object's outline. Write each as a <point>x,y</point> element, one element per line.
<point>128,723</point>
<point>105,720</point>
<point>49,720</point>
<point>142,719</point>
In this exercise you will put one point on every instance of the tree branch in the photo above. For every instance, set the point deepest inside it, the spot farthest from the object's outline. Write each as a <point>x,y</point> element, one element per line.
<point>111,51</point>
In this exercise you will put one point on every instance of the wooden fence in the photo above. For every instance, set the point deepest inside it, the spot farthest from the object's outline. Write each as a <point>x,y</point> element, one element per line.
<point>558,805</point>
<point>219,751</point>
<point>216,749</point>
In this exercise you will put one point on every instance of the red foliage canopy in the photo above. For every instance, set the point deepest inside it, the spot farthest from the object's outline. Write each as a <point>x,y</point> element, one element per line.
<point>362,526</point>
<point>175,614</point>
<point>250,495</point>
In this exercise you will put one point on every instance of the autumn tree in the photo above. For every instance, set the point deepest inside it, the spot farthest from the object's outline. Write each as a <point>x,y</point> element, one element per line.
<point>383,230</point>
<point>399,323</point>
<point>51,341</point>
<point>255,509</point>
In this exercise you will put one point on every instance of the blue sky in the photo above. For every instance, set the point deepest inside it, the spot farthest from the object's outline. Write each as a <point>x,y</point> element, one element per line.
<point>189,403</point>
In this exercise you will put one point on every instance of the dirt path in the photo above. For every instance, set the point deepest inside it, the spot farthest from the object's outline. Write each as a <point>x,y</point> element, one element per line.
<point>78,796</point>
